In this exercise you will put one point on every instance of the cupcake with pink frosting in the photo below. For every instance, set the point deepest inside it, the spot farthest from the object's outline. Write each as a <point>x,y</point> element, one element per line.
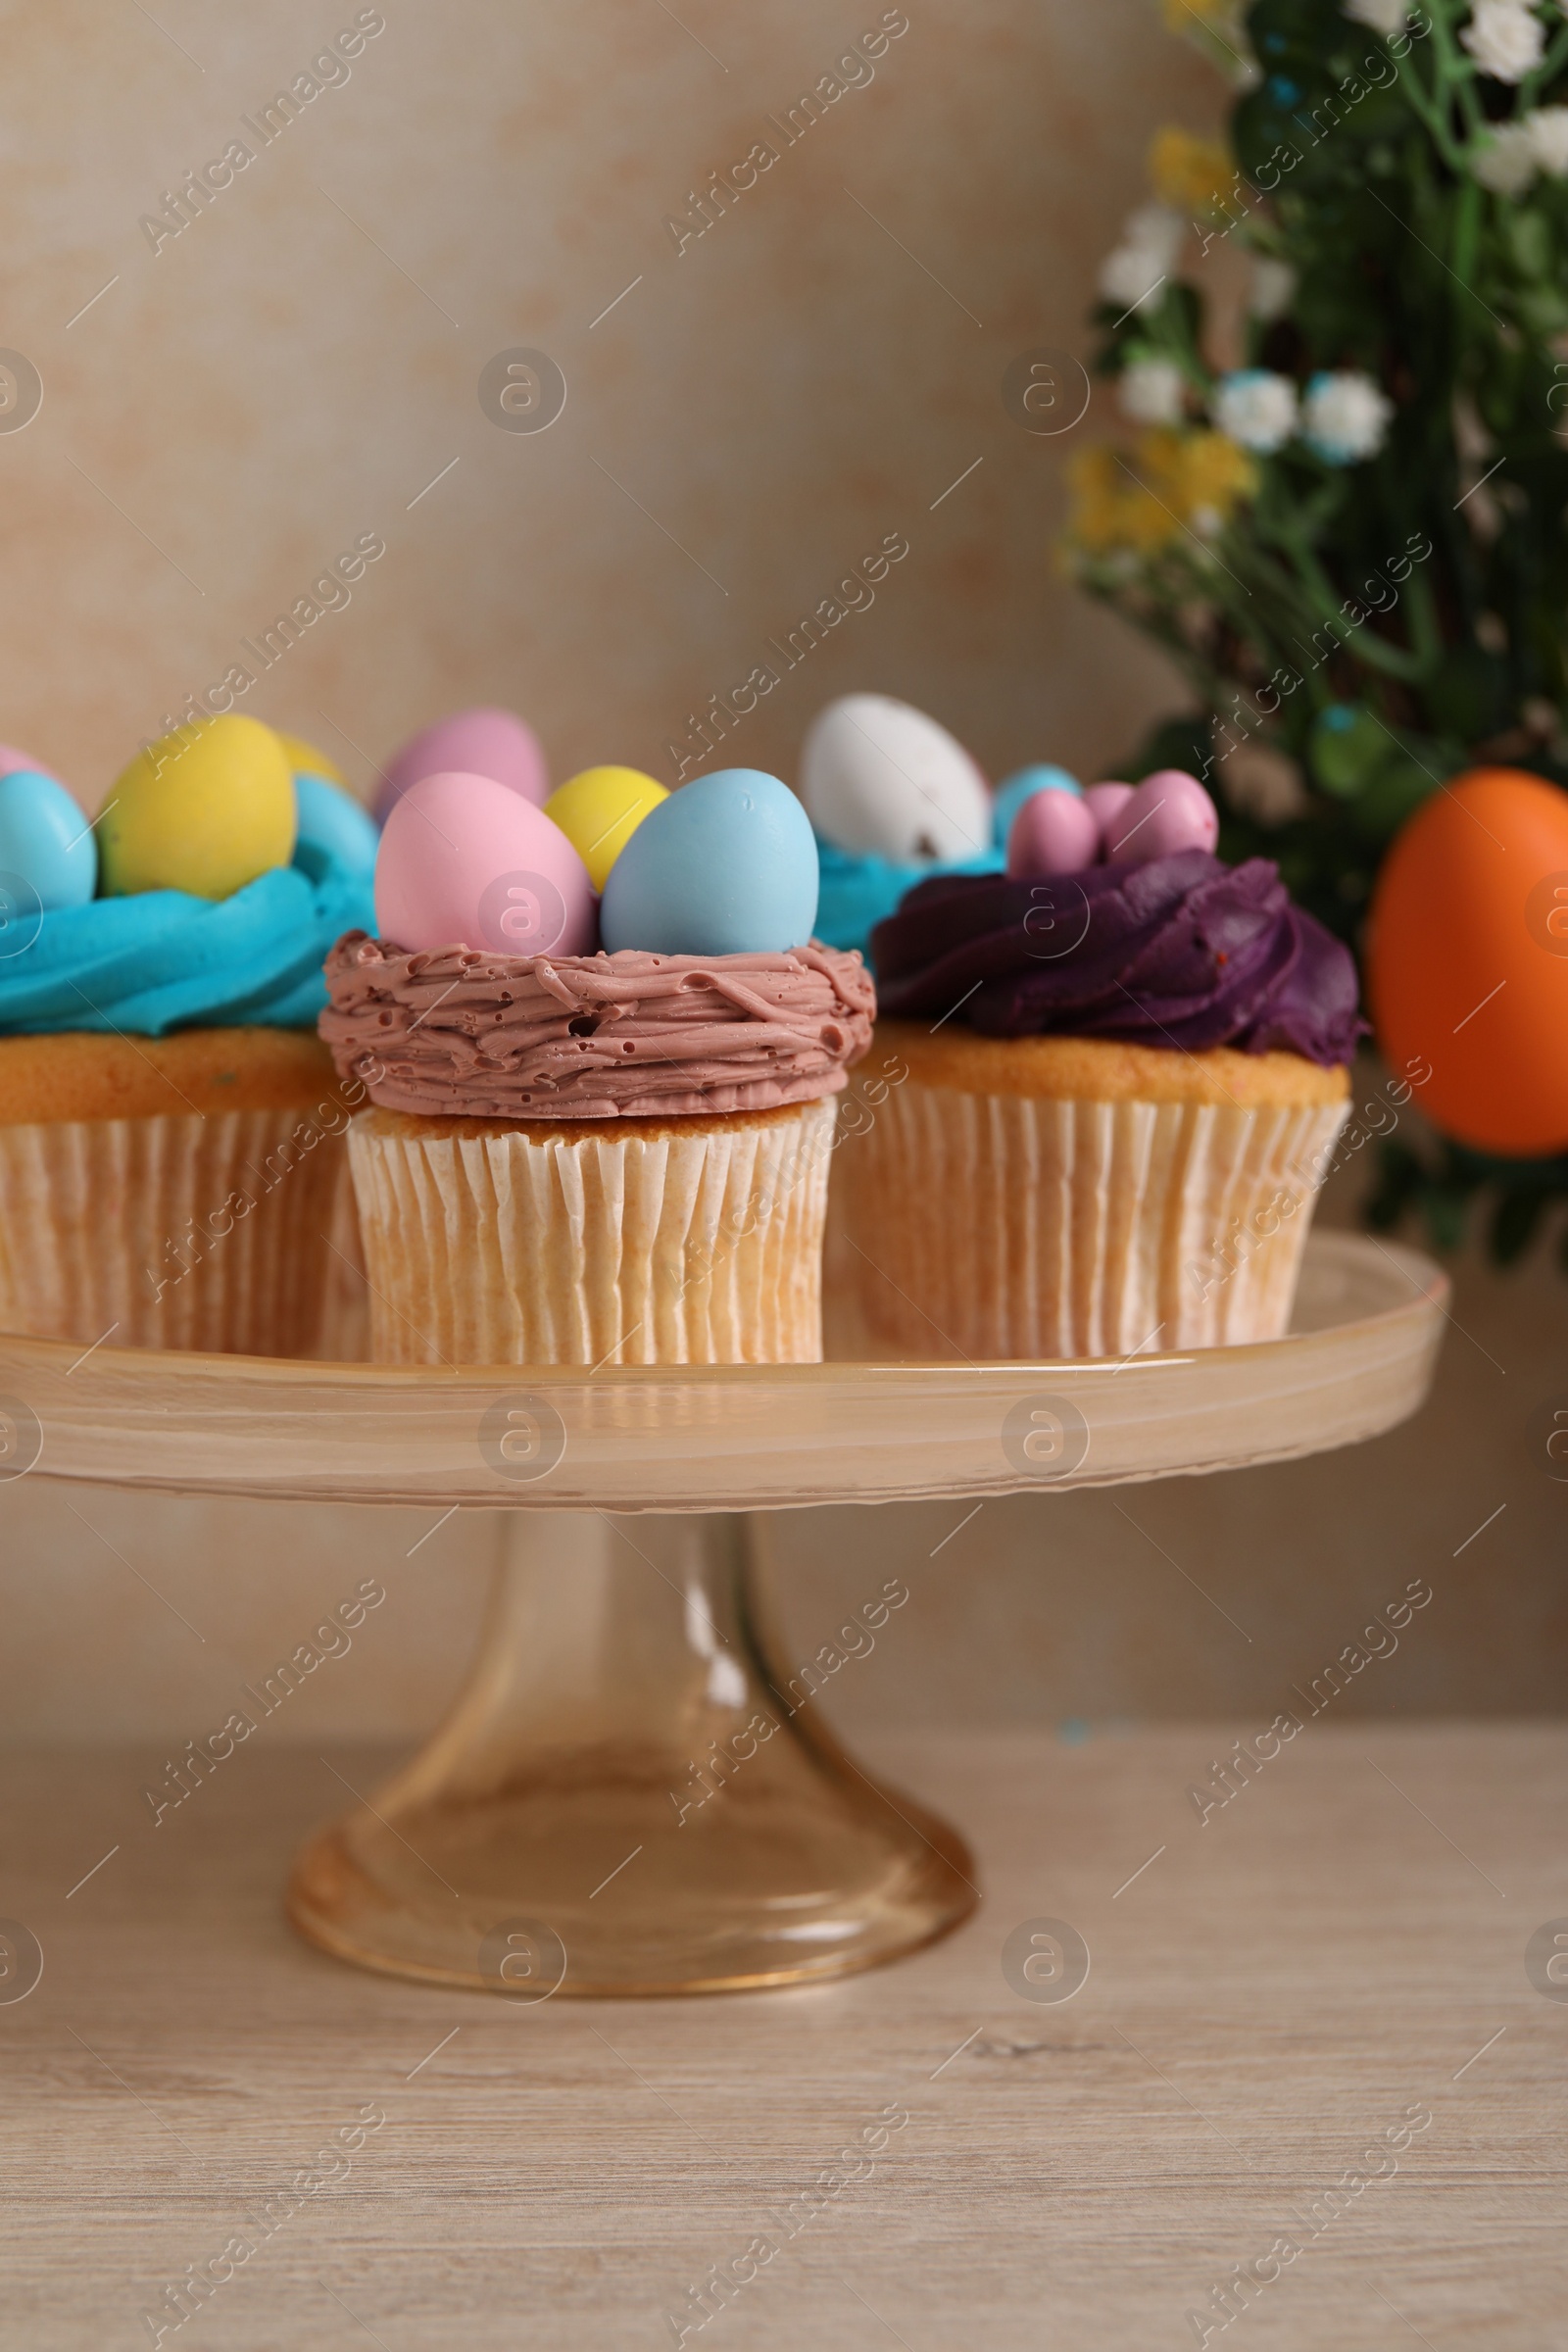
<point>601,1049</point>
<point>1128,1068</point>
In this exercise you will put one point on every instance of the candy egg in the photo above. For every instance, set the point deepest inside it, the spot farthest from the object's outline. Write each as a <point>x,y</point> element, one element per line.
<point>599,811</point>
<point>306,760</point>
<point>1041,776</point>
<point>10,760</point>
<point>206,810</point>
<point>1053,833</point>
<point>725,866</point>
<point>470,743</point>
<point>1467,960</point>
<point>467,862</point>
<point>880,780</point>
<point>45,840</point>
<point>1168,811</point>
<point>333,822</point>
<point>1105,803</point>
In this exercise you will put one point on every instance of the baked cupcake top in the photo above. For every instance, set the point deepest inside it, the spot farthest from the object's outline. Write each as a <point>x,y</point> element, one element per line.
<point>1175,950</point>
<point>206,894</point>
<point>460,1032</point>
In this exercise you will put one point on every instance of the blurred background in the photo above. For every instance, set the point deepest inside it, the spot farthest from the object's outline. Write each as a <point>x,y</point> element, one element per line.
<point>235,390</point>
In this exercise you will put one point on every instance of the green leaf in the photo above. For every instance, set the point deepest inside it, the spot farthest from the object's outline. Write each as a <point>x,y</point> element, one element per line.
<point>1445,1206</point>
<point>1395,793</point>
<point>1400,1176</point>
<point>1346,749</point>
<point>1529,240</point>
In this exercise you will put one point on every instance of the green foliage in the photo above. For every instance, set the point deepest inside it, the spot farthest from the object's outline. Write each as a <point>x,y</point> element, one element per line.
<point>1445,1184</point>
<point>1379,623</point>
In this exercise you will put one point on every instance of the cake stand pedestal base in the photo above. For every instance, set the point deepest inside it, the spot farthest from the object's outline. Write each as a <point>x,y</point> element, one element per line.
<point>631,1796</point>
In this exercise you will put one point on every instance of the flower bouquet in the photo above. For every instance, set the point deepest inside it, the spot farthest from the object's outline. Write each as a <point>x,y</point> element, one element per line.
<point>1340,345</point>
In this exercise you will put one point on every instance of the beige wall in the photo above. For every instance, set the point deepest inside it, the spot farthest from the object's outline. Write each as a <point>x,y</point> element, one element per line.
<point>280,378</point>
<point>295,367</point>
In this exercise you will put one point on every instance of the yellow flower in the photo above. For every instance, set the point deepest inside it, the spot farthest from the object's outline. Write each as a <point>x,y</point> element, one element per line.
<point>1189,174</point>
<point>1111,510</point>
<point>1174,481</point>
<point>1202,475</point>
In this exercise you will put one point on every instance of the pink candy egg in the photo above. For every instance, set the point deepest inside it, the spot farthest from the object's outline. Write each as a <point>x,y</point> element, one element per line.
<point>470,743</point>
<point>1053,833</point>
<point>465,862</point>
<point>14,762</point>
<point>1169,811</point>
<point>1105,803</point>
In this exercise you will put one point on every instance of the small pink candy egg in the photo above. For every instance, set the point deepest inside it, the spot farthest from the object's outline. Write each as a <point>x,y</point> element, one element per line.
<point>1105,803</point>
<point>465,862</point>
<point>470,743</point>
<point>14,762</point>
<point>1053,833</point>
<point>1169,811</point>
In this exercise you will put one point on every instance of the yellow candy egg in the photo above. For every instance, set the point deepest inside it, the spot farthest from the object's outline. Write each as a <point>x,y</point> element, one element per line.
<point>600,810</point>
<point>306,760</point>
<point>206,810</point>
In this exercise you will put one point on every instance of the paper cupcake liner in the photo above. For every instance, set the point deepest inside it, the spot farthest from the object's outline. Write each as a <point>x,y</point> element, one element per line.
<point>626,1248</point>
<point>1012,1226</point>
<point>190,1232</point>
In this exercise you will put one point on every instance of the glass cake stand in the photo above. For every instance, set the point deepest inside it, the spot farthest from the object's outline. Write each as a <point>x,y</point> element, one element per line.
<point>635,1794</point>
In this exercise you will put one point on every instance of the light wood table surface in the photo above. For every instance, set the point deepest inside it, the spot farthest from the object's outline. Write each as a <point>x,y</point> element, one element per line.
<point>1340,1947</point>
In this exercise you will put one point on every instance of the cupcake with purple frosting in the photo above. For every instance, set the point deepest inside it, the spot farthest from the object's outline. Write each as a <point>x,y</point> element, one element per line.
<point>1128,1069</point>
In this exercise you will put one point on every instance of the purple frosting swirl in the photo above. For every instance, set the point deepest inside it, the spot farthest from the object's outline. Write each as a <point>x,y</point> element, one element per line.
<point>1180,951</point>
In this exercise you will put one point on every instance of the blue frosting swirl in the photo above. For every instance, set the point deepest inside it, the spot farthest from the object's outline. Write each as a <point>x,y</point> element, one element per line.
<point>163,959</point>
<point>858,893</point>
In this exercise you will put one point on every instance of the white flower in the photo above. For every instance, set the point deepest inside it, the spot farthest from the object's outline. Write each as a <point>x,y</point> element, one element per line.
<point>1506,158</point>
<point>1505,39</point>
<point>1273,288</point>
<point>1146,253</point>
<point>1256,409</point>
<point>1510,154</point>
<point>1159,228</point>
<point>1387,17</point>
<point>1151,392</point>
<point>1548,136</point>
<point>1345,417</point>
<point>1130,276</point>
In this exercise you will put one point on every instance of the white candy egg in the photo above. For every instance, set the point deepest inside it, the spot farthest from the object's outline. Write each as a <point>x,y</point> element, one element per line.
<point>880,780</point>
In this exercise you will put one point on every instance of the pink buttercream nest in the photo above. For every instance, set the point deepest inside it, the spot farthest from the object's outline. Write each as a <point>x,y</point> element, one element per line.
<point>461,1034</point>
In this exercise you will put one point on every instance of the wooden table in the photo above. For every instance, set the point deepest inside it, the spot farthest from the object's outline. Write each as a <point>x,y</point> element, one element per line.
<point>1336,1954</point>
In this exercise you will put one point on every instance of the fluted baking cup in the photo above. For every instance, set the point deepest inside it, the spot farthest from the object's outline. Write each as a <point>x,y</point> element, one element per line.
<point>208,1231</point>
<point>638,1243</point>
<point>1009,1226</point>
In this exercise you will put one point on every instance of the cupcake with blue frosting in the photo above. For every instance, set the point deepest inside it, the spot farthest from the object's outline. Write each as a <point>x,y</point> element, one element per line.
<point>172,1171</point>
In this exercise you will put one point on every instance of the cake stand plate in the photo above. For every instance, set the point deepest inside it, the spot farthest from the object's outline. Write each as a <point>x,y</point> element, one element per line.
<point>635,1794</point>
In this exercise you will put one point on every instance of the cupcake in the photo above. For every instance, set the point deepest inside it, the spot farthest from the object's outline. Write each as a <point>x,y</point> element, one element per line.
<point>173,1162</point>
<point>600,1130</point>
<point>1127,1071</point>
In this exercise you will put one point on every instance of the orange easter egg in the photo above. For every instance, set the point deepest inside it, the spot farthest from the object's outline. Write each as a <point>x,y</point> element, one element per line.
<point>1467,959</point>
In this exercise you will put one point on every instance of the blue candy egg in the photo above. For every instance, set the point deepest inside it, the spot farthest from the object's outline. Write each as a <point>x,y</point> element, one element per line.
<point>46,841</point>
<point>726,866</point>
<point>333,822</point>
<point>1023,785</point>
